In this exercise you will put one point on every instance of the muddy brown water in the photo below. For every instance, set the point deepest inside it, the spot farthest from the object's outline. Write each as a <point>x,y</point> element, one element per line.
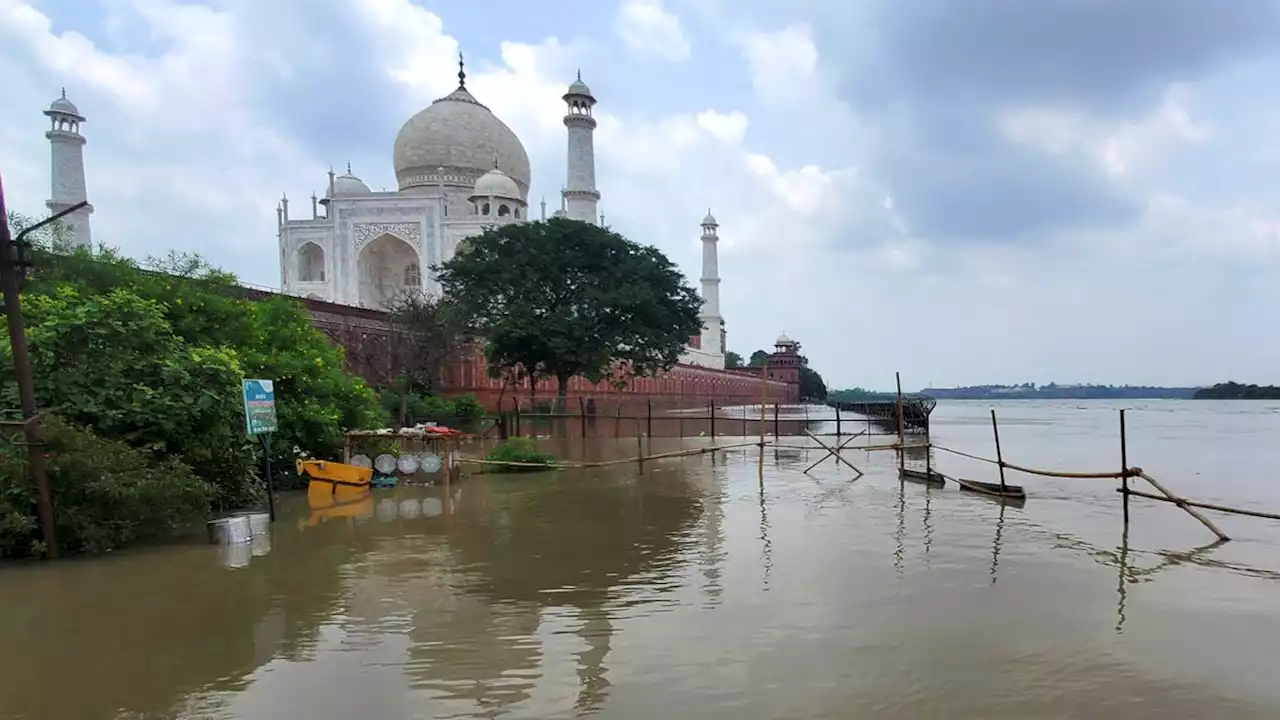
<point>699,588</point>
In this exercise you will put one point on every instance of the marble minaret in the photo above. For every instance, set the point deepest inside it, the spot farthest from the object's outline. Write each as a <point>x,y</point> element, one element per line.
<point>66,146</point>
<point>712,323</point>
<point>580,194</point>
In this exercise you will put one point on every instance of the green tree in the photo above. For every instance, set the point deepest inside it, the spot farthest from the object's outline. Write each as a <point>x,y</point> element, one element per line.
<point>113,363</point>
<point>758,358</point>
<point>426,333</point>
<point>812,386</point>
<point>562,298</point>
<point>204,309</point>
<point>53,236</point>
<point>732,360</point>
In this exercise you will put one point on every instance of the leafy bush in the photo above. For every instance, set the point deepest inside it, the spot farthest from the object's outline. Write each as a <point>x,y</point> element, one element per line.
<point>431,408</point>
<point>154,357</point>
<point>520,450</point>
<point>113,363</point>
<point>107,494</point>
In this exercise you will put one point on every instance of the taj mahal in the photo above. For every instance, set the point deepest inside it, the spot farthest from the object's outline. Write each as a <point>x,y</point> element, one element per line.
<point>460,171</point>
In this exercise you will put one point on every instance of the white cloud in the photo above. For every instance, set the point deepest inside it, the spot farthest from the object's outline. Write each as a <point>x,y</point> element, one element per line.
<point>783,63</point>
<point>728,128</point>
<point>1123,150</point>
<point>190,145</point>
<point>650,30</point>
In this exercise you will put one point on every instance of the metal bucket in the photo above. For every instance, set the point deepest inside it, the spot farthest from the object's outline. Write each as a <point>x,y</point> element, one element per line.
<point>235,555</point>
<point>259,524</point>
<point>230,530</point>
<point>260,545</point>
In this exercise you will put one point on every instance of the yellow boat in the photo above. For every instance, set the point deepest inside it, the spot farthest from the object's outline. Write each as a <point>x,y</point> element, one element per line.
<point>331,478</point>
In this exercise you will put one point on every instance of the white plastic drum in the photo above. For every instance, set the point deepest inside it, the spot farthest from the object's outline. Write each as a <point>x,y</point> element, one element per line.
<point>430,463</point>
<point>407,464</point>
<point>432,507</point>
<point>385,464</point>
<point>361,461</point>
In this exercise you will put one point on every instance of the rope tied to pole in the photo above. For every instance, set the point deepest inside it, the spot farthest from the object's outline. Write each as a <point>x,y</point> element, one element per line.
<point>1132,472</point>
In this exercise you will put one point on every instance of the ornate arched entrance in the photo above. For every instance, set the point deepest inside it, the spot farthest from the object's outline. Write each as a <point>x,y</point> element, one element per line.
<point>384,266</point>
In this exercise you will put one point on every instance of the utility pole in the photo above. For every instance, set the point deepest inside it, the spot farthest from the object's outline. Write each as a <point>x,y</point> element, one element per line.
<point>34,433</point>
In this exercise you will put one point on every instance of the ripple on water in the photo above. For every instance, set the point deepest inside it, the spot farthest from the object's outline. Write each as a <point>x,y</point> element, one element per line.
<point>701,588</point>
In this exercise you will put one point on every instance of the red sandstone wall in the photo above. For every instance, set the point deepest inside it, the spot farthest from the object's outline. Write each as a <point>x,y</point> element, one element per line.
<point>364,334</point>
<point>683,385</point>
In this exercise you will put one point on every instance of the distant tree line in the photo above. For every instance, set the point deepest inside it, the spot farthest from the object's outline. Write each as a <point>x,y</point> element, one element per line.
<point>1238,391</point>
<point>1031,391</point>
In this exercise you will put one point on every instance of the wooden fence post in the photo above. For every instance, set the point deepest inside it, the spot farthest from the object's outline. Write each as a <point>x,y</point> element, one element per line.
<point>902,447</point>
<point>1124,468</point>
<point>995,430</point>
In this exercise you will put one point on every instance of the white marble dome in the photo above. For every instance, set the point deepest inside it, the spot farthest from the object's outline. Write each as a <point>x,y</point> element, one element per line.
<point>349,185</point>
<point>459,135</point>
<point>63,106</point>
<point>496,183</point>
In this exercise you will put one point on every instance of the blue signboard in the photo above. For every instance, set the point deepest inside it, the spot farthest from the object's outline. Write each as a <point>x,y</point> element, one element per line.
<point>259,407</point>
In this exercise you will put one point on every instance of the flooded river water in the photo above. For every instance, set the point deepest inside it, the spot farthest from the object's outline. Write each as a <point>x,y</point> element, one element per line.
<point>699,587</point>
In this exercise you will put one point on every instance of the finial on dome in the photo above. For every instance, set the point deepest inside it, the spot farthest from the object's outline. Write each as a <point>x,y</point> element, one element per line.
<point>579,74</point>
<point>348,167</point>
<point>462,72</point>
<point>64,92</point>
<point>495,161</point>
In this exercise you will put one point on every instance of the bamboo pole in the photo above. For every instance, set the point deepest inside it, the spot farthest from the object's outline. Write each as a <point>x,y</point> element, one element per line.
<point>764,393</point>
<point>837,421</point>
<point>995,431</point>
<point>659,456</point>
<point>1124,465</point>
<point>902,448</point>
<point>1182,504</point>
<point>835,452</point>
<point>823,459</point>
<point>1206,506</point>
<point>606,463</point>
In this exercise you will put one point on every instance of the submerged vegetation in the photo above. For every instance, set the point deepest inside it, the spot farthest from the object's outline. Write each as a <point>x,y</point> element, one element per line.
<point>521,450</point>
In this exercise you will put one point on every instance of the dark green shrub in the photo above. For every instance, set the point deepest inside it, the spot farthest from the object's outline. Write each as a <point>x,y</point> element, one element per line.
<point>154,358</point>
<point>107,494</point>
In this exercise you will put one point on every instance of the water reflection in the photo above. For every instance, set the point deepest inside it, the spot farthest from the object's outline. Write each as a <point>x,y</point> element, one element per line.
<point>727,585</point>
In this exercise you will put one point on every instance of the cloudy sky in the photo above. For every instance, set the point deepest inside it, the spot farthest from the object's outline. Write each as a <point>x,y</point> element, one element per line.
<point>967,192</point>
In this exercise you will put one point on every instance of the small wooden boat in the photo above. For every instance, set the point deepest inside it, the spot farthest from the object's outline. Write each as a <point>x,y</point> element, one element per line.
<point>930,477</point>
<point>1009,492</point>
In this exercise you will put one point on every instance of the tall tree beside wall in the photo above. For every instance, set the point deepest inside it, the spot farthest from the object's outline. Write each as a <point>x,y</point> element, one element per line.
<point>427,332</point>
<point>562,298</point>
<point>732,360</point>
